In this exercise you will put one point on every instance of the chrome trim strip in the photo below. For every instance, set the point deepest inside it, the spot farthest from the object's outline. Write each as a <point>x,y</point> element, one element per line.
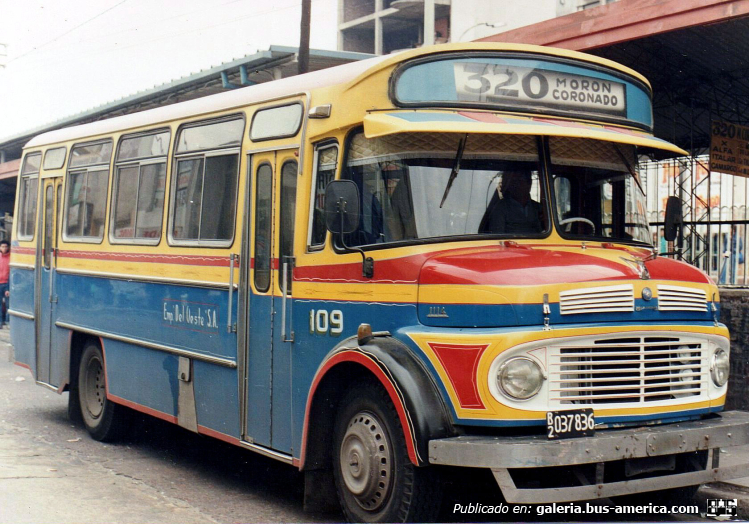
<point>288,459</point>
<point>48,386</point>
<point>149,279</point>
<point>150,345</point>
<point>19,314</point>
<point>22,266</point>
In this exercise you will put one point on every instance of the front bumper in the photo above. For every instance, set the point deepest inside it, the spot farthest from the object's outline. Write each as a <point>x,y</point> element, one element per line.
<point>501,454</point>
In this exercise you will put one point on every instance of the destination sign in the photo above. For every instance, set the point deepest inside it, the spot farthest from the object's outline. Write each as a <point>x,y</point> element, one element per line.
<point>511,85</point>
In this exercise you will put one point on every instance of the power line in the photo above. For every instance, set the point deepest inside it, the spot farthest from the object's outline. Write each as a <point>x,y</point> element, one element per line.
<point>68,31</point>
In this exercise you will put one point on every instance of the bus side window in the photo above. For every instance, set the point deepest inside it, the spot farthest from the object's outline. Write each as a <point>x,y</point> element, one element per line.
<point>28,196</point>
<point>205,186</point>
<point>327,159</point>
<point>288,207</point>
<point>87,187</point>
<point>263,203</point>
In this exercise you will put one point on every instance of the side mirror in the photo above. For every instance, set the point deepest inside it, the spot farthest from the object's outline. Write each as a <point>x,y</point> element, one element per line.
<point>674,219</point>
<point>342,206</point>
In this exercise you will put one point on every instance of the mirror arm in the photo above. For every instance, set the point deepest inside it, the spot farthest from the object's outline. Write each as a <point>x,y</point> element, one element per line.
<point>367,262</point>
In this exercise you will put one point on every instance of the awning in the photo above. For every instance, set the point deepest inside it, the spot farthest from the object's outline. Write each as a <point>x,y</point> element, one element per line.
<point>392,122</point>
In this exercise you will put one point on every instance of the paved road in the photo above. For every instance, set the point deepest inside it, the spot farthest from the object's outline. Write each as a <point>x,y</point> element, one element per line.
<point>51,471</point>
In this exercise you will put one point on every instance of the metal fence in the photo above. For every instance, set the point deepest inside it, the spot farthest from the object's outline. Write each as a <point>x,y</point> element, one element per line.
<point>716,232</point>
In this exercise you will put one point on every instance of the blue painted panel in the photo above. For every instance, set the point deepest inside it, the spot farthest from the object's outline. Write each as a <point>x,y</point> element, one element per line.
<point>217,398</point>
<point>507,315</point>
<point>259,370</point>
<point>281,399</point>
<point>185,317</point>
<point>22,290</point>
<point>22,338</point>
<point>144,376</point>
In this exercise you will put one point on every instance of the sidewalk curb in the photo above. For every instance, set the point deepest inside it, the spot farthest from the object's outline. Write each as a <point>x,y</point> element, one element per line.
<point>725,490</point>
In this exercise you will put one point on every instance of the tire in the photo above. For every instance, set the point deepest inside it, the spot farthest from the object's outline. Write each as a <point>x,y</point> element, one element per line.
<point>375,480</point>
<point>74,406</point>
<point>104,420</point>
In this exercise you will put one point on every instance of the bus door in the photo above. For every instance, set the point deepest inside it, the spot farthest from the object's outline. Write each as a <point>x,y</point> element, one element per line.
<point>48,371</point>
<point>268,392</point>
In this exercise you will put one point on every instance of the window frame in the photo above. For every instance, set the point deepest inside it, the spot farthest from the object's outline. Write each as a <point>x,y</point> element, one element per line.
<point>64,158</point>
<point>86,169</point>
<point>203,154</point>
<point>140,162</point>
<point>21,201</point>
<point>315,163</point>
<point>276,137</point>
<point>256,209</point>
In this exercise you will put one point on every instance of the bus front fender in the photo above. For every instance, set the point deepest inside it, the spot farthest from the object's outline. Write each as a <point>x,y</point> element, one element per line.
<point>421,410</point>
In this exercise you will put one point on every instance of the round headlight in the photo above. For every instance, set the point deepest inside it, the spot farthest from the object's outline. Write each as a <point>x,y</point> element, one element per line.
<point>519,378</point>
<point>719,368</point>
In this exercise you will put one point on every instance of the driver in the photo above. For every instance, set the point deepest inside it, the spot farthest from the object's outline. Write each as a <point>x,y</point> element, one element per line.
<point>516,211</point>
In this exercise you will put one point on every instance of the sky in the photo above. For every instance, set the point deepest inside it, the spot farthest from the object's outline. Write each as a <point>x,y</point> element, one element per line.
<point>63,57</point>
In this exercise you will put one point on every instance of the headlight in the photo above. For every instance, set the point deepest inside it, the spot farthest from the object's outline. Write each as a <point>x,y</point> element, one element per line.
<point>719,368</point>
<point>519,378</point>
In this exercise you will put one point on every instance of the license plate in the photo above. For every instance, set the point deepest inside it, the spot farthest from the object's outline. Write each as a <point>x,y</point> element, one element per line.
<point>570,424</point>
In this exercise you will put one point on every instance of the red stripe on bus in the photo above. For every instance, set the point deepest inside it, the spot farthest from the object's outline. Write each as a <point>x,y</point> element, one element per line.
<point>218,435</point>
<point>24,250</point>
<point>22,365</point>
<point>354,356</point>
<point>143,409</point>
<point>185,260</point>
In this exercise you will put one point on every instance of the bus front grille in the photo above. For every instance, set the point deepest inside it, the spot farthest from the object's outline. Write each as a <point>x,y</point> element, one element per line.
<point>631,370</point>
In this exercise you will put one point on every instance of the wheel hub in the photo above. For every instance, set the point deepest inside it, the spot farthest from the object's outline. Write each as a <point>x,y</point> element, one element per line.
<point>94,388</point>
<point>366,461</point>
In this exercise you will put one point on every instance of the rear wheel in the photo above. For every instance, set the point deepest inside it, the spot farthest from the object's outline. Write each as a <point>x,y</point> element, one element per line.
<point>375,480</point>
<point>103,418</point>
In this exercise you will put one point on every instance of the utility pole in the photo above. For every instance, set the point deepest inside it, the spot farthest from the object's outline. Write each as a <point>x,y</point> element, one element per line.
<point>303,59</point>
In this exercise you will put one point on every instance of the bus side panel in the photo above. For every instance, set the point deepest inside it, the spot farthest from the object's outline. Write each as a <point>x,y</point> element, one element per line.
<point>22,333</point>
<point>313,345</point>
<point>143,376</point>
<point>216,398</point>
<point>181,317</point>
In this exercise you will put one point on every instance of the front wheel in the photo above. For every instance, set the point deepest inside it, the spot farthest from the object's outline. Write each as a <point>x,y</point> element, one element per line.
<point>376,481</point>
<point>104,420</point>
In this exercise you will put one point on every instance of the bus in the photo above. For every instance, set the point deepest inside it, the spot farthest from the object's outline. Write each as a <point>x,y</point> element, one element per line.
<point>380,273</point>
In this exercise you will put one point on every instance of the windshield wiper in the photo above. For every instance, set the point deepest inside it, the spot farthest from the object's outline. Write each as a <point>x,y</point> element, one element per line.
<point>629,166</point>
<point>456,168</point>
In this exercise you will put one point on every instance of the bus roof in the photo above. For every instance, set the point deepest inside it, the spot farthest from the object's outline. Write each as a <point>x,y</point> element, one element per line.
<point>348,73</point>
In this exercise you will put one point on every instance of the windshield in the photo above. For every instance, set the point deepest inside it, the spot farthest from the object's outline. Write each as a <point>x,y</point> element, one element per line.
<point>422,186</point>
<point>597,192</point>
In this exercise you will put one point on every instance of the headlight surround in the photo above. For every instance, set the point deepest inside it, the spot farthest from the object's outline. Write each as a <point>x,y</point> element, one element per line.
<point>519,378</point>
<point>719,367</point>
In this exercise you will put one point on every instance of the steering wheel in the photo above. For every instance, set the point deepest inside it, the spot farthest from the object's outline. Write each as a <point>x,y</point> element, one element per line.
<point>578,219</point>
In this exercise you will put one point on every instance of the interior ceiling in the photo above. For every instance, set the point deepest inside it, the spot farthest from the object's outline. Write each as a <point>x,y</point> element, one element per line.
<point>698,73</point>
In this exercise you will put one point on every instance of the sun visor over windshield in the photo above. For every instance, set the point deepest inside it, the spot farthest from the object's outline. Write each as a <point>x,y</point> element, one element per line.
<point>383,124</point>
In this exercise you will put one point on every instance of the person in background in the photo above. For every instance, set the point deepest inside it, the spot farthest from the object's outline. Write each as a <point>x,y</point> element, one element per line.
<point>4,274</point>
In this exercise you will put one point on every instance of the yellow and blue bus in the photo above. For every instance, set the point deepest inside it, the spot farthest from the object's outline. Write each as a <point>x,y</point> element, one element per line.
<point>379,272</point>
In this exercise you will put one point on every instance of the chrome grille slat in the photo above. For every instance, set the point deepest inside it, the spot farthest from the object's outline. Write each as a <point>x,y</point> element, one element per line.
<point>678,298</point>
<point>597,300</point>
<point>627,370</point>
